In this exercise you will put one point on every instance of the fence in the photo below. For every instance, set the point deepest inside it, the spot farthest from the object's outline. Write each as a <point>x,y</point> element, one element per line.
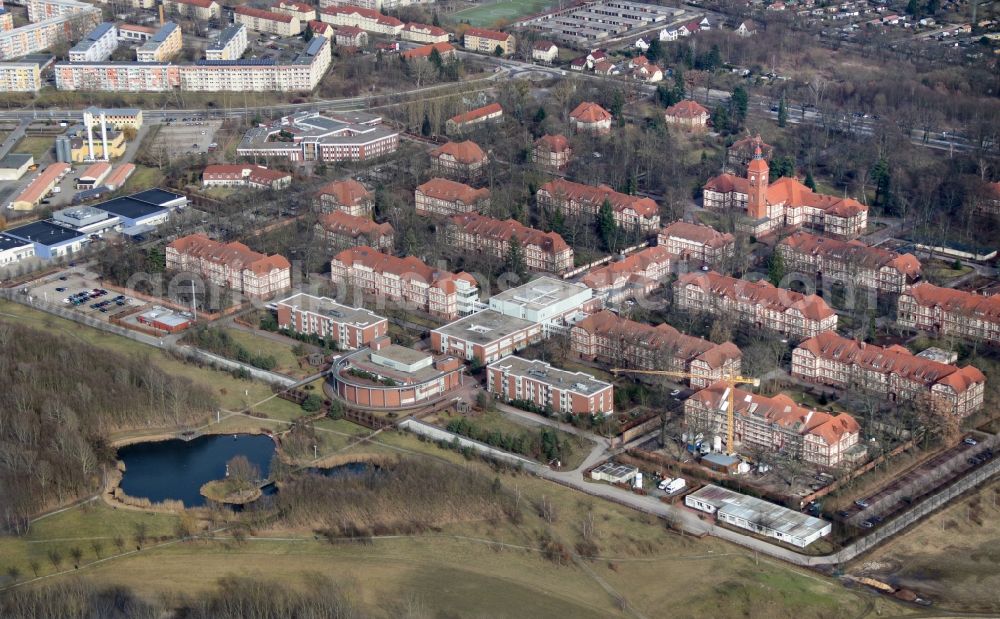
<point>861,470</point>
<point>433,432</point>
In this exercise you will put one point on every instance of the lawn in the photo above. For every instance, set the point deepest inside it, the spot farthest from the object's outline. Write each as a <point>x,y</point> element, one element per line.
<point>37,146</point>
<point>288,363</point>
<point>949,557</point>
<point>494,13</point>
<point>144,178</point>
<point>940,272</point>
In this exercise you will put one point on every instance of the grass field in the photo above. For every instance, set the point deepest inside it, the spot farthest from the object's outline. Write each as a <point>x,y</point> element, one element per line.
<point>37,146</point>
<point>287,362</point>
<point>940,272</point>
<point>144,178</point>
<point>491,14</point>
<point>950,558</point>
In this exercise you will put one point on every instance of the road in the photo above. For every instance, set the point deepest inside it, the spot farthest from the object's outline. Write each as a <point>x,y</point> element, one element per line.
<point>14,137</point>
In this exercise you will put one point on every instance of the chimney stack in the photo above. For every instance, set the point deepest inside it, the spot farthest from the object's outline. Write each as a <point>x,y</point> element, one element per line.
<point>104,137</point>
<point>90,142</point>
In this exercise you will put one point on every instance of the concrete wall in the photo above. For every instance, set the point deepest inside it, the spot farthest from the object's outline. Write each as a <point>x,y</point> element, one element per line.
<point>437,434</point>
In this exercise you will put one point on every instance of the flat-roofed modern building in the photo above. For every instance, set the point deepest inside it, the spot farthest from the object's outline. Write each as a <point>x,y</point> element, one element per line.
<point>229,45</point>
<point>387,376</point>
<point>349,327</point>
<point>485,336</point>
<point>14,250</point>
<point>339,136</point>
<point>758,515</point>
<point>544,300</point>
<point>50,239</point>
<point>536,383</point>
<point>98,45</point>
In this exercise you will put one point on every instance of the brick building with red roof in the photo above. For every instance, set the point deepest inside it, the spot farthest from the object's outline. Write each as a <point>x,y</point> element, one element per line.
<point>440,196</point>
<point>543,251</point>
<point>611,339</point>
<point>347,195</point>
<point>341,231</point>
<point>552,151</point>
<point>893,373</point>
<point>232,265</point>
<point>696,243</point>
<point>244,175</point>
<point>687,114</point>
<point>589,117</point>
<point>635,276</point>
<point>461,160</point>
<point>756,305</point>
<point>575,199</point>
<point>946,311</point>
<point>775,424</point>
<point>467,120</point>
<point>849,262</point>
<point>446,51</point>
<point>407,280</point>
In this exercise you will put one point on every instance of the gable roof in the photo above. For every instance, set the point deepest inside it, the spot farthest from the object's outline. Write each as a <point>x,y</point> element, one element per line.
<point>339,222</point>
<point>589,112</point>
<point>957,301</point>
<point>761,292</point>
<point>452,191</point>
<point>467,152</point>
<point>346,192</point>
<point>562,188</point>
<point>503,230</point>
<point>483,33</point>
<point>385,20</point>
<point>634,265</point>
<point>704,235</point>
<point>553,143</point>
<point>477,113</point>
<point>410,269</point>
<point>853,252</point>
<point>235,255</point>
<point>425,51</point>
<point>686,109</point>
<point>427,29</point>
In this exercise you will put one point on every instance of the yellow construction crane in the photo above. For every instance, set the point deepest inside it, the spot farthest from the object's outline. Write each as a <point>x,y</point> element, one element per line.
<point>731,380</point>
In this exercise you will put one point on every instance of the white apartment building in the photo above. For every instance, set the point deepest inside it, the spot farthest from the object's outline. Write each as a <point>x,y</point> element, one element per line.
<point>98,45</point>
<point>369,20</point>
<point>230,45</point>
<point>281,24</point>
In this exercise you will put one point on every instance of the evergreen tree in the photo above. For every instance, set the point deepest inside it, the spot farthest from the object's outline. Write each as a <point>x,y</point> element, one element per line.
<point>882,178</point>
<point>540,115</point>
<point>436,21</point>
<point>435,58</point>
<point>655,51</point>
<point>498,51</point>
<point>720,119</point>
<point>714,60</point>
<point>741,102</point>
<point>606,226</point>
<point>810,181</point>
<point>665,95</point>
<point>515,261</point>
<point>913,8</point>
<point>425,128</point>
<point>307,34</point>
<point>933,6</point>
<point>679,91</point>
<point>775,268</point>
<point>782,112</point>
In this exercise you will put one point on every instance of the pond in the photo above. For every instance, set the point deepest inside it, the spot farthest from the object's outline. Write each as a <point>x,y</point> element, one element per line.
<point>177,469</point>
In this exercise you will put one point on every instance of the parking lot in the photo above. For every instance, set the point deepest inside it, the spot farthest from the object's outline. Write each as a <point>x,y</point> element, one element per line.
<point>81,290</point>
<point>186,136</point>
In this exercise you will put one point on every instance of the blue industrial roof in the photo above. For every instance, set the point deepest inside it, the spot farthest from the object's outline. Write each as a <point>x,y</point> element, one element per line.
<point>9,242</point>
<point>129,207</point>
<point>157,197</point>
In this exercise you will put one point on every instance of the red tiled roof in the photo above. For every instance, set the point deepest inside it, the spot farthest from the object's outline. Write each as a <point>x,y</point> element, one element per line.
<point>686,109</point>
<point>663,336</point>
<point>543,46</point>
<point>234,255</point>
<point>427,29</point>
<point>854,252</point>
<point>957,301</point>
<point>483,33</point>
<point>588,112</point>
<point>288,5</point>
<point>135,28</point>
<point>728,183</point>
<point>384,20</point>
<point>553,143</point>
<point>339,222</point>
<point>349,31</point>
<point>705,235</point>
<point>644,207</point>
<point>782,411</point>
<point>637,263</point>
<point>452,191</point>
<point>477,113</point>
<point>347,192</point>
<point>409,268</point>
<point>489,228</point>
<point>262,14</point>
<point>205,4</point>
<point>424,51</point>
<point>319,27</point>
<point>810,306</point>
<point>892,360</point>
<point>788,191</point>
<point>95,170</point>
<point>467,152</point>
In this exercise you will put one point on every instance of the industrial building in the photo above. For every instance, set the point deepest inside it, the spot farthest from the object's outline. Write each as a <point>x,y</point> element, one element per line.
<point>14,250</point>
<point>592,22</point>
<point>758,515</point>
<point>50,239</point>
<point>545,300</point>
<point>164,320</point>
<point>40,187</point>
<point>389,376</point>
<point>15,165</point>
<point>350,327</point>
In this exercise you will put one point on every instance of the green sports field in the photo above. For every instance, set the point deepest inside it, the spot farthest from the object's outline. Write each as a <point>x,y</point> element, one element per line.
<point>489,13</point>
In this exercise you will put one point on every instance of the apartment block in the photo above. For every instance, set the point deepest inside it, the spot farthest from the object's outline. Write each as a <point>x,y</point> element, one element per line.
<point>230,44</point>
<point>117,76</point>
<point>342,231</point>
<point>552,151</point>
<point>634,276</point>
<point>893,373</point>
<point>300,73</point>
<point>338,136</point>
<point>20,77</point>
<point>349,36</point>
<point>785,203</point>
<point>348,196</point>
<point>552,389</point>
<point>406,280</point>
<point>370,20</point>
<point>244,175</point>
<point>468,120</point>
<point>775,424</point>
<point>473,233</point>
<point>849,262</point>
<point>440,196</point>
<point>233,265</point>
<point>619,342</point>
<point>696,243</point>
<point>350,327</point>
<point>756,305</point>
<point>281,24</point>
<point>301,11</point>
<point>197,9</point>
<point>162,46</point>
<point>576,199</point>
<point>950,312</point>
<point>487,41</point>
<point>462,160</point>
<point>424,33</point>
<point>51,23</point>
<point>98,45</point>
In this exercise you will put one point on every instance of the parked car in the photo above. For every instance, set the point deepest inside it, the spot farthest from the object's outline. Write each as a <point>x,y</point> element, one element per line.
<point>862,503</point>
<point>970,441</point>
